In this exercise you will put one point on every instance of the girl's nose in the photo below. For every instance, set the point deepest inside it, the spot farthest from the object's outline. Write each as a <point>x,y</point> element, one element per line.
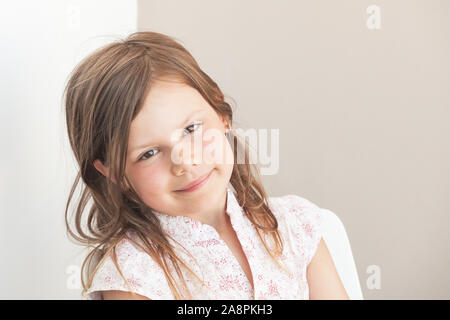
<point>187,158</point>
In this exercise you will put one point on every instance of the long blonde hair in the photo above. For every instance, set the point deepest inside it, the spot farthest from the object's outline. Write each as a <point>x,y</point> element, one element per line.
<point>103,95</point>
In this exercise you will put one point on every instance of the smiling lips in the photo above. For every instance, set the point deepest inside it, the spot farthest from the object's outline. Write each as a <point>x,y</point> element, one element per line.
<point>196,183</point>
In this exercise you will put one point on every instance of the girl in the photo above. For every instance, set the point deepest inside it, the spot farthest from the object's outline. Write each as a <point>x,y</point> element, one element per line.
<point>162,226</point>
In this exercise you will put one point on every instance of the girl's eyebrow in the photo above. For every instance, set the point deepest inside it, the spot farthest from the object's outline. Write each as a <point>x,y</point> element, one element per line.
<point>182,124</point>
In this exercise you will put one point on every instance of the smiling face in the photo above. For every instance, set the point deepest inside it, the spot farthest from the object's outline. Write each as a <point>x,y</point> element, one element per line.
<point>176,138</point>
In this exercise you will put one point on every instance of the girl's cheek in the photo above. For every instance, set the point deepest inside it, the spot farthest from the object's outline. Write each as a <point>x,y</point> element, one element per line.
<point>151,178</point>
<point>215,148</point>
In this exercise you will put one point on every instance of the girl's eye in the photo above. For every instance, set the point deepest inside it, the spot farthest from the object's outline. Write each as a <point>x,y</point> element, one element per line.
<point>148,152</point>
<point>194,124</point>
<point>152,150</point>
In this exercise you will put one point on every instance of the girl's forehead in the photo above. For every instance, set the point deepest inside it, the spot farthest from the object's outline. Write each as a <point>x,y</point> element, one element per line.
<point>168,97</point>
<point>160,89</point>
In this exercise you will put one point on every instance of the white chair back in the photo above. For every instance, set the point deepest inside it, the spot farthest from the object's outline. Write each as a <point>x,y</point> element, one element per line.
<point>336,239</point>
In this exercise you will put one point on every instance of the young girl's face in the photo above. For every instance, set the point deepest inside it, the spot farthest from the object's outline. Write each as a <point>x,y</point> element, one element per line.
<point>176,138</point>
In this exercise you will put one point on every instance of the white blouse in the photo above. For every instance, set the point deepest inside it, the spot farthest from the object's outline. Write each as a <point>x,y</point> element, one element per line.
<point>299,223</point>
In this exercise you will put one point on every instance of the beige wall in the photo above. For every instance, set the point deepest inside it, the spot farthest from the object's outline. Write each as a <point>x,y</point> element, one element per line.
<point>364,116</point>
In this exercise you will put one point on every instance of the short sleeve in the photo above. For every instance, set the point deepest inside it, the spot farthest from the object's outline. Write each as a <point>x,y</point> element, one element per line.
<point>306,223</point>
<point>144,275</point>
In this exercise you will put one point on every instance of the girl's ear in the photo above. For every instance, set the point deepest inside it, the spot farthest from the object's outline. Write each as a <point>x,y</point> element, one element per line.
<point>102,169</point>
<point>226,123</point>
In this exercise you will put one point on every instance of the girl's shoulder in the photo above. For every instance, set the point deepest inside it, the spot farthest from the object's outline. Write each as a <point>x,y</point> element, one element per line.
<point>294,208</point>
<point>142,272</point>
<point>300,221</point>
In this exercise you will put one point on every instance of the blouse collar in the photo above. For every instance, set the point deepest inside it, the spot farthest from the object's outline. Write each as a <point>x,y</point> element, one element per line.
<point>183,227</point>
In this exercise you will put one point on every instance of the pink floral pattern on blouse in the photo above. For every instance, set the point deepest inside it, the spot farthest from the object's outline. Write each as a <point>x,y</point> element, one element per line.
<point>300,224</point>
